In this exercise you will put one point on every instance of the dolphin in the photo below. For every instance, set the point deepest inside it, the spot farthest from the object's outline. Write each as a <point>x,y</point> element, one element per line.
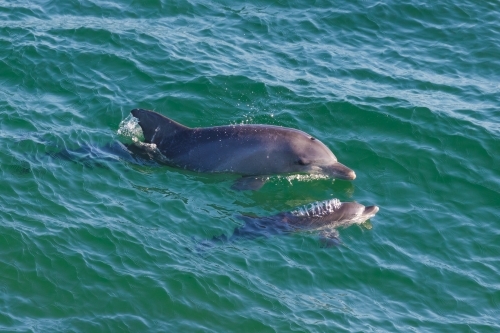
<point>325,217</point>
<point>252,151</point>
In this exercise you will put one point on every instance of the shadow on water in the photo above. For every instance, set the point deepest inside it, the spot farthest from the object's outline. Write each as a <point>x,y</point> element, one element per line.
<point>18,167</point>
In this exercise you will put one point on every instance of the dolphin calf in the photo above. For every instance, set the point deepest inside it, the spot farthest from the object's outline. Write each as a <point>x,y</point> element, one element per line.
<point>252,151</point>
<point>325,217</point>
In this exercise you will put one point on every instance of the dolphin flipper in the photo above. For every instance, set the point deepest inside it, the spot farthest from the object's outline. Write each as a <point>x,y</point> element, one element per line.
<point>329,238</point>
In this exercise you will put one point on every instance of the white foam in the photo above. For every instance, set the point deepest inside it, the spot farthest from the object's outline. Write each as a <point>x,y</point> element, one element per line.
<point>317,209</point>
<point>130,129</point>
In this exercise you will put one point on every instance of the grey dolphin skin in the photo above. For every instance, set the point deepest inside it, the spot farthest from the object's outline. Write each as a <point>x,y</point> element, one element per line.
<point>325,217</point>
<point>253,151</point>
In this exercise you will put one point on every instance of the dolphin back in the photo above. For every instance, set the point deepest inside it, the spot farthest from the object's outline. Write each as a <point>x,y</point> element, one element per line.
<point>157,127</point>
<point>330,213</point>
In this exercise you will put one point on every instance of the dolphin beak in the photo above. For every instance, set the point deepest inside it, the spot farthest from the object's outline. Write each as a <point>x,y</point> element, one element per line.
<point>370,211</point>
<point>339,171</point>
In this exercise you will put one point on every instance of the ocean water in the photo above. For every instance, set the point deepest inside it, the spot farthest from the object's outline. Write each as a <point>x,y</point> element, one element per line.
<point>406,93</point>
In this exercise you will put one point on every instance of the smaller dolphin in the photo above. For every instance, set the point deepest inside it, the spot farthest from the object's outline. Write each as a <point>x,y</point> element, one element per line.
<point>325,217</point>
<point>252,151</point>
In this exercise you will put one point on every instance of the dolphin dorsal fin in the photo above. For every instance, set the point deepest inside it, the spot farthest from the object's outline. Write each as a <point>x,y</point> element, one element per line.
<point>156,127</point>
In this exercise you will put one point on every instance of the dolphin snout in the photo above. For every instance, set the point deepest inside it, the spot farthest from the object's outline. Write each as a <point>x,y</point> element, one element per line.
<point>340,171</point>
<point>371,210</point>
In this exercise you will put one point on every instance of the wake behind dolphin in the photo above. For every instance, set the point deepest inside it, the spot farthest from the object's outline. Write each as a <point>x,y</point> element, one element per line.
<point>253,151</point>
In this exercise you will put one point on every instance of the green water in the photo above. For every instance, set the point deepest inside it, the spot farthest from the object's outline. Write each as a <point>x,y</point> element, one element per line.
<point>406,93</point>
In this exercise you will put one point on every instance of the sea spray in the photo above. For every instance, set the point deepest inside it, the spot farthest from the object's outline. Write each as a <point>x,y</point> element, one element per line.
<point>129,130</point>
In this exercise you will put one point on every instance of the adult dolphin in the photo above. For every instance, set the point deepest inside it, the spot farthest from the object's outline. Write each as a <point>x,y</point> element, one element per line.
<point>324,216</point>
<point>253,151</point>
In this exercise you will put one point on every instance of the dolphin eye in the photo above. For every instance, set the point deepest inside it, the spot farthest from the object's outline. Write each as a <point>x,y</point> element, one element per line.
<point>303,162</point>
<point>312,139</point>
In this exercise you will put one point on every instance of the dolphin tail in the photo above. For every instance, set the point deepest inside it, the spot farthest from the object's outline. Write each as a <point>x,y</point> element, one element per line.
<point>155,126</point>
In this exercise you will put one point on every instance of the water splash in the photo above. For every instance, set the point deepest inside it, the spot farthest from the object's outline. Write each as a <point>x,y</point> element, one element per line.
<point>303,177</point>
<point>129,129</point>
<point>318,209</point>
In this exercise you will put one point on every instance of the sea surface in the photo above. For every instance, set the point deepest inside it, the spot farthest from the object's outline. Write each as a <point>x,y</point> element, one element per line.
<point>406,93</point>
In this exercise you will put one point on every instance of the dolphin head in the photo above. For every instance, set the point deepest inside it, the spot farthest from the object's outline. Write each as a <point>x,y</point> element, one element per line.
<point>339,171</point>
<point>354,213</point>
<point>315,157</point>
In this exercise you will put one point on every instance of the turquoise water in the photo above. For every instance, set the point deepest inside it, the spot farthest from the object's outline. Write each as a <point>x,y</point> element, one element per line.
<point>406,93</point>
